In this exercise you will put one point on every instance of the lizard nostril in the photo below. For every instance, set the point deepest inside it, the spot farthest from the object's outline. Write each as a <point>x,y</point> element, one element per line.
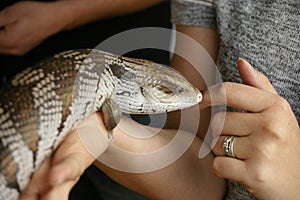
<point>199,97</point>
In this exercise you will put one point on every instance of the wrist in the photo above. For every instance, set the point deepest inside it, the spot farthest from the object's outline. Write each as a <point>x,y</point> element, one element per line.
<point>65,15</point>
<point>58,17</point>
<point>93,134</point>
<point>73,13</point>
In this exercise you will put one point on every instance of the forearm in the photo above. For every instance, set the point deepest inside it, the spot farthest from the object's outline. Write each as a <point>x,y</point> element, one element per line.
<point>26,24</point>
<point>188,177</point>
<point>78,12</point>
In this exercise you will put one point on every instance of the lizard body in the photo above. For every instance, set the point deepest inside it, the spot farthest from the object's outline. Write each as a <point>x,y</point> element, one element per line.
<point>42,104</point>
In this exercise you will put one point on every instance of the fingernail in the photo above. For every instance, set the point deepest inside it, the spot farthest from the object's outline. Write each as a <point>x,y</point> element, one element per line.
<point>243,61</point>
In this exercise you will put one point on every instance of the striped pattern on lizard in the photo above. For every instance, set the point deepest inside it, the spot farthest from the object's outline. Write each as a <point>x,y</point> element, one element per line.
<point>42,104</point>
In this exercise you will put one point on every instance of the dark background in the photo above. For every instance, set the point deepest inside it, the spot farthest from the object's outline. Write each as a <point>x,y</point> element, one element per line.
<point>89,36</point>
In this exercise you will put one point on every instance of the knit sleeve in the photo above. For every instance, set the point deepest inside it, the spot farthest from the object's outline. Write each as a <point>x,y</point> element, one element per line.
<point>193,13</point>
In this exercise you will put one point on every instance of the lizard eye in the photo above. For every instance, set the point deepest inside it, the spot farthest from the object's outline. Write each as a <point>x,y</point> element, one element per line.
<point>179,90</point>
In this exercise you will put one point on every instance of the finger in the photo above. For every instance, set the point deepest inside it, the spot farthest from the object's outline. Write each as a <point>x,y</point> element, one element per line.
<point>252,77</point>
<point>69,160</point>
<point>70,168</point>
<point>238,96</point>
<point>4,37</point>
<point>34,188</point>
<point>231,168</point>
<point>241,147</point>
<point>233,123</point>
<point>6,48</point>
<point>60,192</point>
<point>29,195</point>
<point>78,151</point>
<point>7,17</point>
<point>9,41</point>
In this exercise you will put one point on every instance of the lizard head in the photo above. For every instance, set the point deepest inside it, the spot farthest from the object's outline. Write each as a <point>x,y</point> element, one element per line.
<point>153,88</point>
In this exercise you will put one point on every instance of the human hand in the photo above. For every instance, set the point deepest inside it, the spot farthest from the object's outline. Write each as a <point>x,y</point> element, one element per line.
<point>26,24</point>
<point>267,143</point>
<point>60,172</point>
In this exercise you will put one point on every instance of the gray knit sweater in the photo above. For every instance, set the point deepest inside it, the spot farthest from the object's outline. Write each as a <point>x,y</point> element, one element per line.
<point>264,32</point>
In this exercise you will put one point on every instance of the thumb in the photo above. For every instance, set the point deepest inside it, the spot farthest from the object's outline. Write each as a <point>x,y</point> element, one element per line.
<point>78,150</point>
<point>7,16</point>
<point>254,78</point>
